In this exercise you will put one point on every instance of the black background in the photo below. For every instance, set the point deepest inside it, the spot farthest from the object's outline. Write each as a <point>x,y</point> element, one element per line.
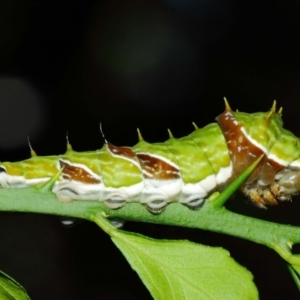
<point>66,66</point>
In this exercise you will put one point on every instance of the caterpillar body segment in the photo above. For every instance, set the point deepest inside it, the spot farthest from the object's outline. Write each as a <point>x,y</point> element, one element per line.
<point>185,170</point>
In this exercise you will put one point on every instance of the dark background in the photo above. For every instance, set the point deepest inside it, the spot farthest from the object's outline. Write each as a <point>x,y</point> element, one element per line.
<point>67,65</point>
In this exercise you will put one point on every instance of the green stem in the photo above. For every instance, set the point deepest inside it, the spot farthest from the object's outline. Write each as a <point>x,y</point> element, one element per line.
<point>212,216</point>
<point>208,218</point>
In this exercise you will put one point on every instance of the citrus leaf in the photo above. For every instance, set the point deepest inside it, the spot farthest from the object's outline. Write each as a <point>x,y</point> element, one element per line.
<point>220,200</point>
<point>295,276</point>
<point>10,289</point>
<point>297,269</point>
<point>185,270</point>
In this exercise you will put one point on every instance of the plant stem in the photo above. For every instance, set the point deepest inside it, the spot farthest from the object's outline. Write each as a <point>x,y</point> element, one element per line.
<point>208,217</point>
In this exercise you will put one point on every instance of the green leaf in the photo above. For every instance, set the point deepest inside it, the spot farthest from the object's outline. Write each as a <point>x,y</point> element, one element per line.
<point>219,201</point>
<point>10,289</point>
<point>296,269</point>
<point>294,275</point>
<point>185,270</point>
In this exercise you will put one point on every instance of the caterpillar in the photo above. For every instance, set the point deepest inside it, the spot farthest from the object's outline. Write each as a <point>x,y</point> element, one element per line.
<point>185,170</point>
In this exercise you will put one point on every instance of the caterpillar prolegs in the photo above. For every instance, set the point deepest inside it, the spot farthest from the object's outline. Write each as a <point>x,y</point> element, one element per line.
<point>185,170</point>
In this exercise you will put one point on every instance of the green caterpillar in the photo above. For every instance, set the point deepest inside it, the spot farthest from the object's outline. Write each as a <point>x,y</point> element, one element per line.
<point>185,170</point>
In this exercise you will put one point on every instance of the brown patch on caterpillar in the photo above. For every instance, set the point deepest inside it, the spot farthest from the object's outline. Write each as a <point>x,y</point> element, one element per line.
<point>122,151</point>
<point>125,152</point>
<point>243,152</point>
<point>155,168</point>
<point>71,172</point>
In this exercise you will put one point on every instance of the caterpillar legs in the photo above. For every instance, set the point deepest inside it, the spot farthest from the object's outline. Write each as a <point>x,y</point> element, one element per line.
<point>285,185</point>
<point>195,204</point>
<point>156,206</point>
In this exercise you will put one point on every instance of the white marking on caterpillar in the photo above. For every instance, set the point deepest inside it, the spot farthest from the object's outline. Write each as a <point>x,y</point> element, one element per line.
<point>254,142</point>
<point>146,191</point>
<point>224,174</point>
<point>166,190</point>
<point>268,154</point>
<point>278,160</point>
<point>9,181</point>
<point>295,164</point>
<point>132,160</point>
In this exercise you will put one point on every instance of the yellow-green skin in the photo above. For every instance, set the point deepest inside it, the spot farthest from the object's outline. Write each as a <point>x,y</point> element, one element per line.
<point>195,155</point>
<point>187,169</point>
<point>268,134</point>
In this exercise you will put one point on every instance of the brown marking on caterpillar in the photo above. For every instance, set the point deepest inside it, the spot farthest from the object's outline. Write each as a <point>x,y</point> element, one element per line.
<point>122,151</point>
<point>155,168</point>
<point>243,152</point>
<point>71,172</point>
